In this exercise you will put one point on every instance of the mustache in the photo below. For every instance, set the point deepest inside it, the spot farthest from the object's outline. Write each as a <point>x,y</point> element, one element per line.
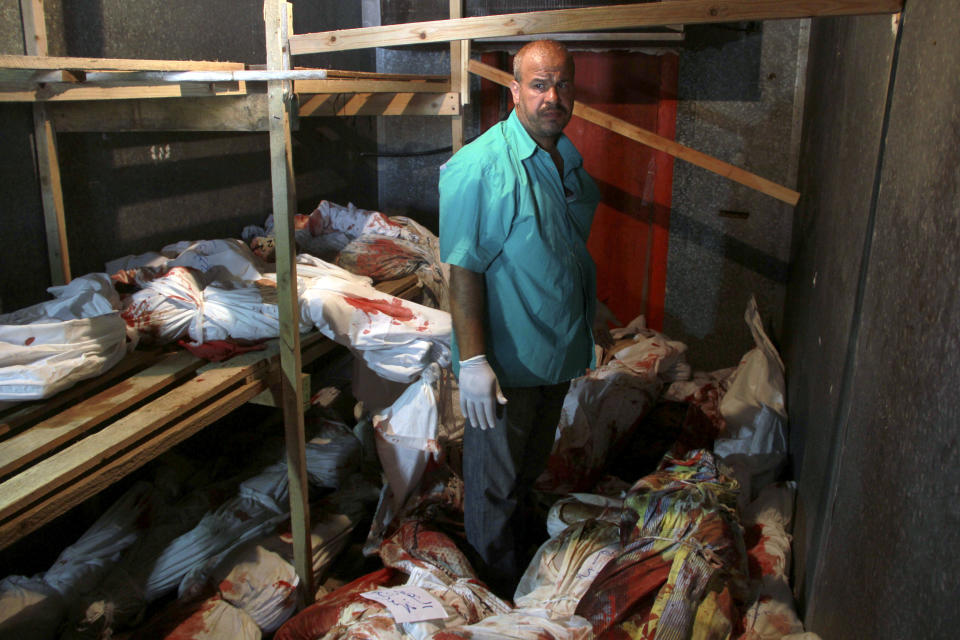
<point>553,107</point>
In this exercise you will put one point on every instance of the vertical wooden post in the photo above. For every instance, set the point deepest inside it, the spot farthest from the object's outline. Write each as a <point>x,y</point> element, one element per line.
<point>45,144</point>
<point>276,16</point>
<point>457,75</point>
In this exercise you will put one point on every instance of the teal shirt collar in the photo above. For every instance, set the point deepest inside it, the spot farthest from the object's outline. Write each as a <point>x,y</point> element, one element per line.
<point>524,146</point>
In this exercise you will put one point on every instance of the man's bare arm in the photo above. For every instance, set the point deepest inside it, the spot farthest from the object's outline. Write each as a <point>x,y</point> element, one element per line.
<point>468,305</point>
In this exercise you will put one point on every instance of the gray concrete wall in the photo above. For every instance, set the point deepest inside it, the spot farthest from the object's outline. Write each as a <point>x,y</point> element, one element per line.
<point>872,328</point>
<point>128,193</point>
<point>737,101</point>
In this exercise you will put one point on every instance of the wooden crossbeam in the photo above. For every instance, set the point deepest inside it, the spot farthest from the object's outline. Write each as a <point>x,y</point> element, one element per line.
<point>24,448</point>
<point>226,113</point>
<point>53,63</point>
<point>112,470</point>
<point>657,142</point>
<point>71,91</point>
<point>380,104</point>
<point>651,14</point>
<point>63,467</point>
<point>371,85</point>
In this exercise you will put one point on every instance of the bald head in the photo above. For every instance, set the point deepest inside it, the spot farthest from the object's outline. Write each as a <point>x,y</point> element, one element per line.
<point>543,90</point>
<point>538,49</point>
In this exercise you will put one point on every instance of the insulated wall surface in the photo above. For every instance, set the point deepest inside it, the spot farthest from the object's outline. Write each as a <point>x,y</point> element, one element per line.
<point>127,192</point>
<point>880,529</point>
<point>849,70</point>
<point>737,101</point>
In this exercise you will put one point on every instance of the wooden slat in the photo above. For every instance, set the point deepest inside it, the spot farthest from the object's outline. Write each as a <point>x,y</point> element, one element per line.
<point>64,92</point>
<point>113,470</point>
<point>655,141</point>
<point>351,85</point>
<point>52,63</point>
<point>45,148</point>
<point>587,19</point>
<point>278,22</point>
<point>380,104</point>
<point>35,38</point>
<point>40,439</point>
<point>227,113</point>
<point>675,34</point>
<point>375,75</point>
<point>23,413</point>
<point>456,68</point>
<point>56,471</point>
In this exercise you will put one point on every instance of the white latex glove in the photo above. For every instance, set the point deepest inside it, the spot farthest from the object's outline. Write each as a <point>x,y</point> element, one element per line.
<point>479,392</point>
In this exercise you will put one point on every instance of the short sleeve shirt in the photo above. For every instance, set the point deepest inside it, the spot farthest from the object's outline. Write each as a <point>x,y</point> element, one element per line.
<point>506,212</point>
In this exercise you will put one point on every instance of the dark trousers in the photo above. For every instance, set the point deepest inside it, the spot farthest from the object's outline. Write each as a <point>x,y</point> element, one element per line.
<point>500,466</point>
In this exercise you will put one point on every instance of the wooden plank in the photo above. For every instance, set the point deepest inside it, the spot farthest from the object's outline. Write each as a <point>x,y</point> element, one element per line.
<point>456,68</point>
<point>34,443</point>
<point>45,148</point>
<point>53,63</point>
<point>35,38</point>
<point>655,141</point>
<point>465,72</point>
<point>278,22</point>
<point>23,413</point>
<point>52,506</point>
<point>375,75</point>
<point>228,113</point>
<point>672,35</point>
<point>380,104</point>
<point>351,85</point>
<point>161,77</point>
<point>71,91</point>
<point>46,476</point>
<point>626,16</point>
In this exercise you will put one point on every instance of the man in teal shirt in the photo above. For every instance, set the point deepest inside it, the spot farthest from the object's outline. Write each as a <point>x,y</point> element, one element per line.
<point>515,212</point>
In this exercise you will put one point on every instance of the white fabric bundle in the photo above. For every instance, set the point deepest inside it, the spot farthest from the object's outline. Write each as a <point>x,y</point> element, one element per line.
<point>223,256</point>
<point>329,535</point>
<point>565,566</point>
<point>395,337</point>
<point>333,455</point>
<point>406,435</point>
<point>30,609</point>
<point>164,307</point>
<point>261,583</point>
<point>246,312</point>
<point>217,620</point>
<point>768,518</point>
<point>259,506</point>
<point>51,346</point>
<point>755,441</point>
<point>581,506</point>
<point>80,567</point>
<point>615,396</point>
<point>522,624</point>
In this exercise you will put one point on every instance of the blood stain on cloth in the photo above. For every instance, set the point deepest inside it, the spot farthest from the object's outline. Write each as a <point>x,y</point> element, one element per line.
<point>393,308</point>
<point>761,563</point>
<point>195,625</point>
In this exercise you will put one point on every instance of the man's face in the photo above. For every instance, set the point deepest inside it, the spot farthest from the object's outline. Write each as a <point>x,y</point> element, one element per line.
<point>544,95</point>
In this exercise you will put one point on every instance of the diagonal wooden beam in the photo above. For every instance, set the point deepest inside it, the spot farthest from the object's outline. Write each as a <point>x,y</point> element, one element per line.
<point>587,19</point>
<point>657,142</point>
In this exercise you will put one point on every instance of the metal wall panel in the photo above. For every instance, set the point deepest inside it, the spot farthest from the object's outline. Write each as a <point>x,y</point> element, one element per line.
<point>884,450</point>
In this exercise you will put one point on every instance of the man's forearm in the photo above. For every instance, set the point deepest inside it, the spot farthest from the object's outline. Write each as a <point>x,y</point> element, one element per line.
<point>468,304</point>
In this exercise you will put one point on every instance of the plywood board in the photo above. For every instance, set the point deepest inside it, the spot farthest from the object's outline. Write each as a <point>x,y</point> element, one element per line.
<point>626,16</point>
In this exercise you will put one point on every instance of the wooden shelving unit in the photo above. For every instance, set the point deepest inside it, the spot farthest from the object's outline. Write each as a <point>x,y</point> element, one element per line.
<point>67,96</point>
